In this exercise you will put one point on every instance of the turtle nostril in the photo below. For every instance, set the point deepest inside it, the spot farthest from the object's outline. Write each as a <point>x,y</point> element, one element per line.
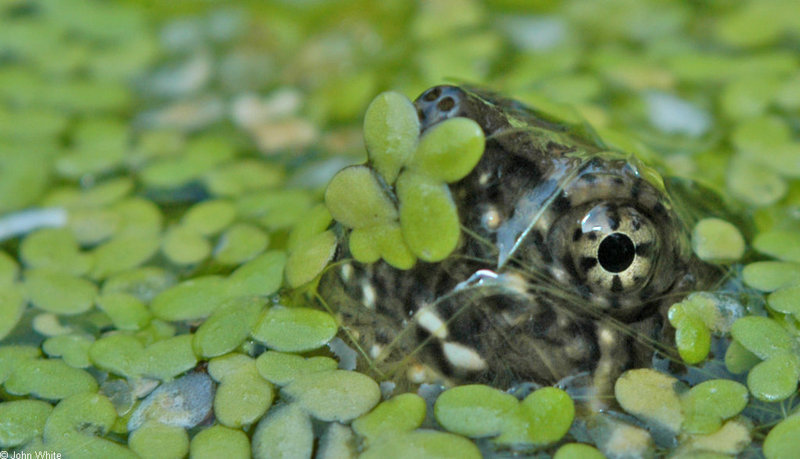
<point>432,95</point>
<point>446,104</point>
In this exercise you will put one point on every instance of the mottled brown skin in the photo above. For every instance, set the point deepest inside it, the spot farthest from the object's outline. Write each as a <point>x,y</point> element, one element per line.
<point>542,307</point>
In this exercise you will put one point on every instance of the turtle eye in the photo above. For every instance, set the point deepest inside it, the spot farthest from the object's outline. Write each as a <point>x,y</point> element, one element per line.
<point>612,248</point>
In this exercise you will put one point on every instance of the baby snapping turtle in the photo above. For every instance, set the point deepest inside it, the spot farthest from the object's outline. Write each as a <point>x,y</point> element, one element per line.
<point>568,258</point>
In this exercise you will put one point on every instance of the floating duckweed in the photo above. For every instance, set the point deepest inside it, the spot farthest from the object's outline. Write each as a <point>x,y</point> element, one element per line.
<point>775,378</point>
<point>143,283</point>
<point>783,245</point>
<point>731,439</point>
<point>717,241</point>
<point>125,310</point>
<point>123,252</point>
<point>237,178</point>
<point>209,218</point>
<point>92,226</point>
<point>308,260</point>
<point>184,402</point>
<point>276,209</point>
<point>49,324</point>
<point>384,241</point>
<point>285,432</point>
<point>12,306</point>
<point>295,329</point>
<point>317,221</point>
<point>11,356</point>
<point>240,243</point>
<point>404,412</point>
<point>262,275</point>
<point>56,250</point>
<point>242,397</point>
<point>422,443</point>
<point>168,358</point>
<point>753,183</point>
<point>709,403</point>
<point>281,369</point>
<point>49,379</point>
<point>693,339</point>
<point>428,216</point>
<point>391,133</point>
<point>786,300</point>
<point>80,416</point>
<point>193,299</point>
<point>769,276</point>
<point>543,417</point>
<point>220,441</point>
<point>651,396</point>
<point>59,293</point>
<point>338,441</point>
<point>119,354</point>
<point>356,199</point>
<point>9,269</point>
<point>738,359</point>
<point>578,451</point>
<point>73,349</point>
<point>183,246</point>
<point>227,327</point>
<point>762,336</point>
<point>336,395</point>
<point>23,420</point>
<point>449,150</point>
<point>156,440</point>
<point>474,410</point>
<point>219,367</point>
<point>783,441</point>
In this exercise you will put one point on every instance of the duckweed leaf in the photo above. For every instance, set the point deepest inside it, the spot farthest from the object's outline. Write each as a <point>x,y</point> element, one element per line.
<point>193,299</point>
<point>12,355</point>
<point>336,395</point>
<point>23,420</point>
<point>59,293</point>
<point>717,240</point>
<point>738,359</point>
<point>285,432</point>
<point>219,367</point>
<point>383,241</point>
<point>693,340</point>
<point>73,349</point>
<point>423,443</point>
<point>240,243</point>
<point>294,329</point>
<point>125,310</point>
<point>242,397</point>
<point>709,403</point>
<point>217,441</point>
<point>50,379</point>
<point>356,198</point>
<point>450,150</point>
<point>56,250</point>
<point>474,410</point>
<point>316,221</point>
<point>391,132</point>
<point>783,441</point>
<point>769,276</point>
<point>761,336</point>
<point>281,369</point>
<point>306,262</point>
<point>578,451</point>
<point>262,275</point>
<point>209,218</point>
<point>81,415</point>
<point>404,412</point>
<point>775,378</point>
<point>428,217</point>
<point>120,354</point>
<point>786,300</point>
<point>154,439</point>
<point>542,417</point>
<point>184,246</point>
<point>783,245</point>
<point>168,358</point>
<point>227,327</point>
<point>12,306</point>
<point>123,252</point>
<point>650,396</point>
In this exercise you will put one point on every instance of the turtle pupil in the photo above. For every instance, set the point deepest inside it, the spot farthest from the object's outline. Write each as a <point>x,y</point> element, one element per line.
<point>616,252</point>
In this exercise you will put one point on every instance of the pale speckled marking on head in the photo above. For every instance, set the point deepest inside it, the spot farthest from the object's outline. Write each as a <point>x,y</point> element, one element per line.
<point>537,314</point>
